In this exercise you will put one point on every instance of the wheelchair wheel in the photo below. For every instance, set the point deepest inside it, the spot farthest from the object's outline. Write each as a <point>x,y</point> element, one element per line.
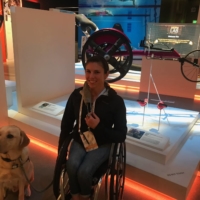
<point>117,172</point>
<point>114,47</point>
<point>60,181</point>
<point>190,66</point>
<point>96,190</point>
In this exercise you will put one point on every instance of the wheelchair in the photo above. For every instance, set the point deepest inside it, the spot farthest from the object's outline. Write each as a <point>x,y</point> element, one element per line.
<point>111,171</point>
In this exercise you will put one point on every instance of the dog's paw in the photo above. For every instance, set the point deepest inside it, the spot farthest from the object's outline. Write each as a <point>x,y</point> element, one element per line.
<point>27,191</point>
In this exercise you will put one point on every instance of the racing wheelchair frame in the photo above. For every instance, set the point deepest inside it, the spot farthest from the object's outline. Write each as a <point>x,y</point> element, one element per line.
<point>112,171</point>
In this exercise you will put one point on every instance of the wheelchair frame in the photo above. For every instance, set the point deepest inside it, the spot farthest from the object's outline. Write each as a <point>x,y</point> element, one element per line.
<point>113,171</point>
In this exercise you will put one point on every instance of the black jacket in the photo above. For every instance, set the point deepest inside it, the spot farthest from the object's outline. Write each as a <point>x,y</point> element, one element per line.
<point>110,109</point>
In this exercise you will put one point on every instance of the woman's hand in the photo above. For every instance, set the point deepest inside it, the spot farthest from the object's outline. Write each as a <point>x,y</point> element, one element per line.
<point>92,120</point>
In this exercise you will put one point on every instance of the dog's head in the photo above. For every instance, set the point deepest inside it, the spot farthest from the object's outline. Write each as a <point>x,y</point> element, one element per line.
<point>12,138</point>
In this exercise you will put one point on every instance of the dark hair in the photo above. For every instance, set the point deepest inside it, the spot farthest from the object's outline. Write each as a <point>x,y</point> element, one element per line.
<point>100,60</point>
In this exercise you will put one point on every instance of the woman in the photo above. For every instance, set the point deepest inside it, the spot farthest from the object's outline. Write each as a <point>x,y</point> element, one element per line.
<point>94,109</point>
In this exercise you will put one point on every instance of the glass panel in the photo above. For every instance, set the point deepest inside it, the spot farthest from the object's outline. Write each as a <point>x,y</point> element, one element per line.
<point>184,38</point>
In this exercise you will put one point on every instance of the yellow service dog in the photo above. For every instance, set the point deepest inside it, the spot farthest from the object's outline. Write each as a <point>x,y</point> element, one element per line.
<point>14,161</point>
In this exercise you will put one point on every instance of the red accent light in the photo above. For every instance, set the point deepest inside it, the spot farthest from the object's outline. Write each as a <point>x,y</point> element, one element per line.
<point>42,144</point>
<point>146,191</point>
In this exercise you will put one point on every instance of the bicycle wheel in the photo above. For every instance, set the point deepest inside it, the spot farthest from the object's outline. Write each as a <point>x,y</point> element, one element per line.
<point>190,66</point>
<point>114,47</point>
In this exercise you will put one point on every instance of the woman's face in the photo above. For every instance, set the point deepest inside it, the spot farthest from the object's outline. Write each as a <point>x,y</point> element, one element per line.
<point>95,75</point>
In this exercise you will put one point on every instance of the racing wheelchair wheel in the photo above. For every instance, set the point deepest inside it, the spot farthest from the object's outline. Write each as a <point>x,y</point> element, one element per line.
<point>115,47</point>
<point>190,66</point>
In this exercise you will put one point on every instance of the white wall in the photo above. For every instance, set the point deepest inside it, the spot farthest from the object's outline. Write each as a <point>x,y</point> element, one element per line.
<point>3,102</point>
<point>167,77</point>
<point>44,46</point>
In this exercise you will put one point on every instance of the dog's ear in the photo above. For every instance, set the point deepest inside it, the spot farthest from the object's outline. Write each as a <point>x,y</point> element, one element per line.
<point>24,139</point>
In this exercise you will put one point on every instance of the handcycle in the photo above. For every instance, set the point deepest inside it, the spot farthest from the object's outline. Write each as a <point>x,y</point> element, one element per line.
<point>112,171</point>
<point>114,46</point>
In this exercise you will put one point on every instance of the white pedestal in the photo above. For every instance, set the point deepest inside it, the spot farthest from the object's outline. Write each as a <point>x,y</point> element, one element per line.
<point>44,55</point>
<point>174,123</point>
<point>170,171</point>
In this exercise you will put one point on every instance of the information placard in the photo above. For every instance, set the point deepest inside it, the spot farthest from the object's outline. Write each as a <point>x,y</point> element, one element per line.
<point>49,108</point>
<point>146,138</point>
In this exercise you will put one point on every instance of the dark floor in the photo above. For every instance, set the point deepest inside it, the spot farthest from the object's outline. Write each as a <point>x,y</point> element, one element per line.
<point>44,162</point>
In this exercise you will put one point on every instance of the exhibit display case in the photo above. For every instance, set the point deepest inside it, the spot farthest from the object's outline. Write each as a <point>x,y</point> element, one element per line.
<point>160,75</point>
<point>184,38</point>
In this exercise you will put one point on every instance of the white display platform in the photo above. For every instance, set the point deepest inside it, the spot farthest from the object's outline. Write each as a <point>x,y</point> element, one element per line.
<point>174,123</point>
<point>176,177</point>
<point>171,171</point>
<point>46,116</point>
<point>149,139</point>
